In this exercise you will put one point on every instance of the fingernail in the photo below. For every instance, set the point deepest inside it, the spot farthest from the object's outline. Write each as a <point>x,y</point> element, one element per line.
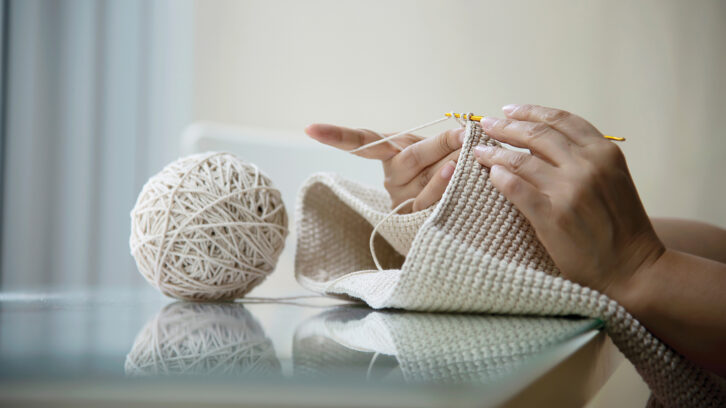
<point>488,122</point>
<point>461,136</point>
<point>448,170</point>
<point>482,150</point>
<point>508,109</point>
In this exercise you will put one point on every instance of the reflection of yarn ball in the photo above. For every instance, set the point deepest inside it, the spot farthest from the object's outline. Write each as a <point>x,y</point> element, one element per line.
<point>208,227</point>
<point>202,339</point>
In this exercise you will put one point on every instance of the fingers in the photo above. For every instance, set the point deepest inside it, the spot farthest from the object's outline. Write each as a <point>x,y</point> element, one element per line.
<point>524,165</point>
<point>435,188</point>
<point>349,139</point>
<point>528,200</point>
<point>574,127</point>
<point>543,140</point>
<point>416,157</point>
<point>417,184</point>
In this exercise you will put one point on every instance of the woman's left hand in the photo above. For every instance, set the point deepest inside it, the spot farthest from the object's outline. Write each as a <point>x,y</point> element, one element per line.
<point>420,170</point>
<point>577,192</point>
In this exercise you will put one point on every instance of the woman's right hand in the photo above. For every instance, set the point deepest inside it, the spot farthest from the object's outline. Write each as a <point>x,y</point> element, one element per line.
<point>421,170</point>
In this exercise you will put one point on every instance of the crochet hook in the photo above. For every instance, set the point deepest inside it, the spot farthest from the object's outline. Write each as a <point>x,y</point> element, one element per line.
<point>477,118</point>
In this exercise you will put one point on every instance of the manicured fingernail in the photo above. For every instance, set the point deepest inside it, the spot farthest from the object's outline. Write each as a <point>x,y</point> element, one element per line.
<point>488,123</point>
<point>462,135</point>
<point>508,109</point>
<point>482,150</point>
<point>448,170</point>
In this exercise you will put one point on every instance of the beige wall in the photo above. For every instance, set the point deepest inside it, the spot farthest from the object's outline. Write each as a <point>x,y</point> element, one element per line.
<point>652,71</point>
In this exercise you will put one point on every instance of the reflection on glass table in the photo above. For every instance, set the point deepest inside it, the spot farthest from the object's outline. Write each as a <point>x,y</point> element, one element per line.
<point>135,348</point>
<point>202,339</point>
<point>425,348</point>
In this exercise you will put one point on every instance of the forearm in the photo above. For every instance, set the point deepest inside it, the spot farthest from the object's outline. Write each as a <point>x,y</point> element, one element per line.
<point>692,237</point>
<point>681,298</point>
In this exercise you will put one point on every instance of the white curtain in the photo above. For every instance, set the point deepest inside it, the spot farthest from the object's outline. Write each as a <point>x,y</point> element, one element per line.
<point>97,95</point>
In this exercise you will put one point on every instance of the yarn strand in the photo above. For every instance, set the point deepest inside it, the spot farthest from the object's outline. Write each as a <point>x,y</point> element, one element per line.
<point>391,137</point>
<point>375,230</point>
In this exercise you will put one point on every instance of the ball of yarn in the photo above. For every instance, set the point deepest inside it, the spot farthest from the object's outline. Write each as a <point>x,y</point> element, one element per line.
<point>202,339</point>
<point>208,227</point>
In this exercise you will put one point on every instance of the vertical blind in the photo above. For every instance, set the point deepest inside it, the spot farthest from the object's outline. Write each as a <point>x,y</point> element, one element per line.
<point>97,95</point>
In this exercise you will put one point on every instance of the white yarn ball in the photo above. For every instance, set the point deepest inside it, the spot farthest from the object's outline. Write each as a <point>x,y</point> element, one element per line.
<point>208,227</point>
<point>202,339</point>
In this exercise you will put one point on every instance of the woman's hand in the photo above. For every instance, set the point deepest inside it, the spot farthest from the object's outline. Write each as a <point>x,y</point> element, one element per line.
<point>576,190</point>
<point>421,170</point>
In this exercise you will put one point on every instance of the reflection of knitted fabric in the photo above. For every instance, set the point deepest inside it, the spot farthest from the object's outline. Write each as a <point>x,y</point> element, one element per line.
<point>202,339</point>
<point>440,348</point>
<point>317,353</point>
<point>465,348</point>
<point>472,252</point>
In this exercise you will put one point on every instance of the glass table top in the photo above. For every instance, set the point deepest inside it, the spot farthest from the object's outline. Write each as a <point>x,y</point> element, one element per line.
<point>138,344</point>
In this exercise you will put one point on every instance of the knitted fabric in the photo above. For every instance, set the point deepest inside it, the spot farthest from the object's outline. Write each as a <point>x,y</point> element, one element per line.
<point>471,252</point>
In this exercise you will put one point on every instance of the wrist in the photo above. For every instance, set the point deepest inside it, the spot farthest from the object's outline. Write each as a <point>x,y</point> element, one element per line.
<point>633,290</point>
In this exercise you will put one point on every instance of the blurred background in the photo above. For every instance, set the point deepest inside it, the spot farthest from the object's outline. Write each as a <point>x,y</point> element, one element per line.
<point>95,96</point>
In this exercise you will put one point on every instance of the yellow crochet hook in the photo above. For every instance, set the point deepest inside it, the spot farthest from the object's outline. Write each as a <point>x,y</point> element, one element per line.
<point>477,118</point>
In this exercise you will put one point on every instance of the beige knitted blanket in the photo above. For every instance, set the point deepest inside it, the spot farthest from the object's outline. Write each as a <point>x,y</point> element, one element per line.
<point>472,252</point>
